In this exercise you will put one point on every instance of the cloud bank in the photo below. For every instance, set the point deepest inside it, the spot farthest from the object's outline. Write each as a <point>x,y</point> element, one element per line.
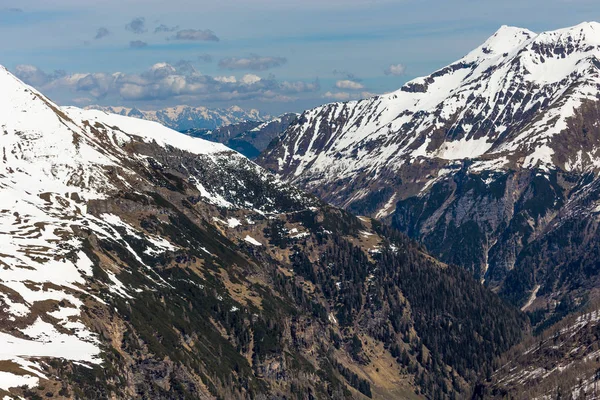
<point>346,96</point>
<point>349,85</point>
<point>164,81</point>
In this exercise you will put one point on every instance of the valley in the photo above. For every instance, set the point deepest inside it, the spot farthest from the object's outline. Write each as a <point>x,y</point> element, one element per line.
<point>173,266</point>
<point>438,241</point>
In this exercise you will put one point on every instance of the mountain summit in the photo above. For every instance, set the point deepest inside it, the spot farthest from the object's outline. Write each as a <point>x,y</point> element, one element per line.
<point>509,100</point>
<point>488,161</point>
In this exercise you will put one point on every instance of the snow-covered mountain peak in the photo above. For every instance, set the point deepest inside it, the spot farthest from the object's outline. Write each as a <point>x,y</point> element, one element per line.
<point>509,101</point>
<point>18,99</point>
<point>585,33</point>
<point>508,39</point>
<point>184,117</point>
<point>503,41</point>
<point>41,144</point>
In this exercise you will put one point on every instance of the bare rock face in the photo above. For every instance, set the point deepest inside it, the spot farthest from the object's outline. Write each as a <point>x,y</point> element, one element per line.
<point>483,161</point>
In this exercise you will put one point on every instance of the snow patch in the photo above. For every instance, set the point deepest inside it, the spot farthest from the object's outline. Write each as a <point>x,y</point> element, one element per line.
<point>233,222</point>
<point>251,240</point>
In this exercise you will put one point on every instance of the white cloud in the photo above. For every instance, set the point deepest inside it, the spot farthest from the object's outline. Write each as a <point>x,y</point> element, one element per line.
<point>346,96</point>
<point>35,76</point>
<point>349,85</point>
<point>395,69</point>
<point>250,79</point>
<point>82,100</point>
<point>226,79</point>
<point>300,86</point>
<point>366,95</point>
<point>163,81</point>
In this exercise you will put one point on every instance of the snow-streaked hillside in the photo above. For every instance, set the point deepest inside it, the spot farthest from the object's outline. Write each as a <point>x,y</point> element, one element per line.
<point>560,362</point>
<point>488,161</point>
<point>54,162</point>
<point>137,262</point>
<point>505,104</point>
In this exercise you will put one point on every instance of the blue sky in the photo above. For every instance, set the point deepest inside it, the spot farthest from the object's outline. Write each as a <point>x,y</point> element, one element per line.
<point>274,55</point>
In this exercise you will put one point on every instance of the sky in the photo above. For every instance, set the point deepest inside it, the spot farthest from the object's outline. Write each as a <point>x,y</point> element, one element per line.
<point>272,55</point>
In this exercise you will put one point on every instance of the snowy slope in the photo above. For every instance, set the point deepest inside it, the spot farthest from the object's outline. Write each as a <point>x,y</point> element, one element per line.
<point>136,262</point>
<point>512,95</point>
<point>483,160</point>
<point>54,161</point>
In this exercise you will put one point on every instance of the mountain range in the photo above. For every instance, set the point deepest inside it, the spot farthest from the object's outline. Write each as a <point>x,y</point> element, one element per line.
<point>492,162</point>
<point>138,262</point>
<point>182,118</point>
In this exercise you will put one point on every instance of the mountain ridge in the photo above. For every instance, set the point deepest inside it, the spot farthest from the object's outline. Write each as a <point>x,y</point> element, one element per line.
<point>139,262</point>
<point>396,111</point>
<point>483,161</point>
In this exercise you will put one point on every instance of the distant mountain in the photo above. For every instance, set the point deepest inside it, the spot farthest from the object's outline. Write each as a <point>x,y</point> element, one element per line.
<point>249,137</point>
<point>137,262</point>
<point>182,118</point>
<point>492,162</point>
